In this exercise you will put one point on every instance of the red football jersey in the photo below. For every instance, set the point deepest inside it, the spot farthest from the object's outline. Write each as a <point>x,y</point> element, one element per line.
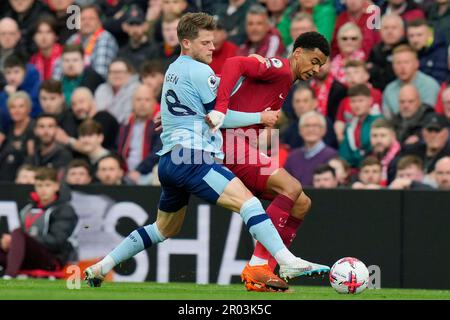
<point>248,85</point>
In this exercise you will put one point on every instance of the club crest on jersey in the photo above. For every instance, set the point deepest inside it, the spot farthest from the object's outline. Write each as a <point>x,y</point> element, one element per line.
<point>276,63</point>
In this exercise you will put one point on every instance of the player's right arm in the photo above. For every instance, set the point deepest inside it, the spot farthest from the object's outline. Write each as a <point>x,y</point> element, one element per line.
<point>237,67</point>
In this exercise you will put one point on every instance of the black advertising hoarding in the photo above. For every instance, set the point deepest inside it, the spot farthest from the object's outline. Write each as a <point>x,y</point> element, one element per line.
<point>390,231</point>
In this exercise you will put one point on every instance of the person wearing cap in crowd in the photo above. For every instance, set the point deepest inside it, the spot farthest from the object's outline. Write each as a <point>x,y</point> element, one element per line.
<point>139,48</point>
<point>435,144</point>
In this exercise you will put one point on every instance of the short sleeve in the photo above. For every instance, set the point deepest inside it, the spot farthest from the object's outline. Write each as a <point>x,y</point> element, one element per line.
<point>206,83</point>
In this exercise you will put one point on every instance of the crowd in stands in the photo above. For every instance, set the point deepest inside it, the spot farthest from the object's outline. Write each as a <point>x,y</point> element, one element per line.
<point>85,100</point>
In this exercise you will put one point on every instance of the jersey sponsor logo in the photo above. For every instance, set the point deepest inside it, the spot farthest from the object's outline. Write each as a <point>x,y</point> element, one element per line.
<point>276,63</point>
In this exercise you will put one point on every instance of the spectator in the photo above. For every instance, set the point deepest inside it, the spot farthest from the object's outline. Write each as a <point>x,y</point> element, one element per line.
<point>385,148</point>
<point>301,22</point>
<point>442,173</point>
<point>410,175</point>
<point>380,58</point>
<point>62,15</point>
<point>139,48</point>
<point>26,13</point>
<point>302,161</point>
<point>110,173</point>
<point>90,139</point>
<point>115,96</point>
<point>435,144</point>
<point>324,177</point>
<point>406,69</point>
<point>276,9</point>
<point>17,144</point>
<point>358,14</point>
<point>329,91</point>
<point>349,41</point>
<point>439,108</point>
<point>9,40</point>
<point>138,139</point>
<point>74,74</point>
<point>439,17</point>
<point>168,50</point>
<point>408,122</point>
<point>356,143</point>
<point>43,241</point>
<point>262,38</point>
<point>170,10</point>
<point>78,172</point>
<point>114,15</point>
<point>431,49</point>
<point>151,73</point>
<point>100,47</point>
<point>407,9</point>
<point>233,16</point>
<point>83,107</point>
<point>49,51</point>
<point>305,100</point>
<point>355,73</point>
<point>20,76</point>
<point>323,13</point>
<point>223,49</point>
<point>342,171</point>
<point>47,152</point>
<point>370,175</point>
<point>51,98</point>
<point>25,174</point>
<point>446,103</point>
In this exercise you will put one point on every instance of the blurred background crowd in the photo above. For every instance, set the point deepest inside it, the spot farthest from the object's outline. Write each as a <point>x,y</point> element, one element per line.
<point>80,96</point>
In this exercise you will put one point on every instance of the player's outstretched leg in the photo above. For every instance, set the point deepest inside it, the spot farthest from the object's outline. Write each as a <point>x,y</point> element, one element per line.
<point>238,198</point>
<point>287,210</point>
<point>167,225</point>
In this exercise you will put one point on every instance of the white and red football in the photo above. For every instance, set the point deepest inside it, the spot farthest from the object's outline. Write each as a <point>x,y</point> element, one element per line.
<point>349,275</point>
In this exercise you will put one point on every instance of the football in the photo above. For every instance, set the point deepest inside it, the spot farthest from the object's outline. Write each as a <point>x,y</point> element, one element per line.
<point>349,275</point>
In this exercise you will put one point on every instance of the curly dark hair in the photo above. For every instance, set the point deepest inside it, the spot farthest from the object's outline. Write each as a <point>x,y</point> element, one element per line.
<point>312,40</point>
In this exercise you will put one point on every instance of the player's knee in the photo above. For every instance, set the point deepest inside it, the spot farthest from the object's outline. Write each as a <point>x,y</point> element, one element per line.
<point>293,189</point>
<point>170,231</point>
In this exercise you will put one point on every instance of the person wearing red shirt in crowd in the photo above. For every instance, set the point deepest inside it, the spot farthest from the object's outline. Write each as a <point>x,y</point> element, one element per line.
<point>350,46</point>
<point>45,36</point>
<point>223,49</point>
<point>47,223</point>
<point>262,37</point>
<point>265,86</point>
<point>439,106</point>
<point>407,9</point>
<point>385,147</point>
<point>355,73</point>
<point>329,91</point>
<point>357,13</point>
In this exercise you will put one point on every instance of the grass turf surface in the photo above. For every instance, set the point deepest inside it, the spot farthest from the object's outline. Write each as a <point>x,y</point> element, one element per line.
<point>49,290</point>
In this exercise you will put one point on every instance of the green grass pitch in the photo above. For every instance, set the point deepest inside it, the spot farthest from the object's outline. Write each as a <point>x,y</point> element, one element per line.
<point>49,290</point>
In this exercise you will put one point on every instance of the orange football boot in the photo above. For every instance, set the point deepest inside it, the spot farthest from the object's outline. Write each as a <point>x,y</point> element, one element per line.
<point>262,279</point>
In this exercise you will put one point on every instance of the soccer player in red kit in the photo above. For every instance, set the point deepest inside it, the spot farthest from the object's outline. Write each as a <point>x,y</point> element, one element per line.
<point>253,85</point>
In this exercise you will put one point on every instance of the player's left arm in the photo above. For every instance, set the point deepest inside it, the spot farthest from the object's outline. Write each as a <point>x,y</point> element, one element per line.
<point>236,119</point>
